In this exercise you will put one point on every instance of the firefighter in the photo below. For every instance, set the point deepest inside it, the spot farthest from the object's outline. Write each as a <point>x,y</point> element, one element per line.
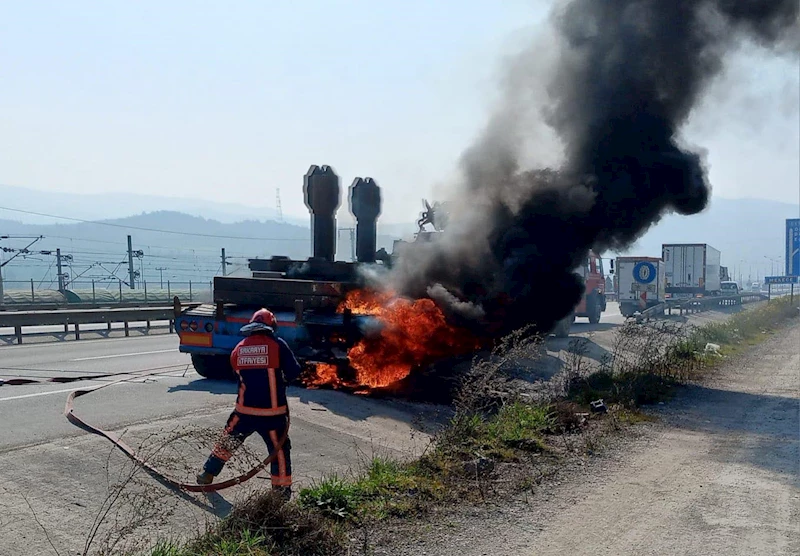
<point>263,364</point>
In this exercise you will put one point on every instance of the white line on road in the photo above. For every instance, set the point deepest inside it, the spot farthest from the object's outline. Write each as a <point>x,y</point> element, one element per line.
<point>132,380</point>
<point>36,394</point>
<point>123,355</point>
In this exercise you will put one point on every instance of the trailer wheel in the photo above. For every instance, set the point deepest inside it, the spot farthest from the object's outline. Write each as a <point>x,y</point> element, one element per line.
<point>214,367</point>
<point>595,309</point>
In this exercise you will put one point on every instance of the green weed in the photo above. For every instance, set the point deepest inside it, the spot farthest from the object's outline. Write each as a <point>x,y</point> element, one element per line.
<point>332,496</point>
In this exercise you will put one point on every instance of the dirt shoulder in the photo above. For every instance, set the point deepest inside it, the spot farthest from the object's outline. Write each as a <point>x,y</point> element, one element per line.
<point>718,474</point>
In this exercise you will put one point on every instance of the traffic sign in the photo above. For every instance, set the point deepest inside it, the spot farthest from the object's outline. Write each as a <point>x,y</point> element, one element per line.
<point>792,247</point>
<point>782,279</point>
<point>644,272</point>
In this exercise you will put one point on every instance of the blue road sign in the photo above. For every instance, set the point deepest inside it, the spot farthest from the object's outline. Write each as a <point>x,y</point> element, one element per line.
<point>782,279</point>
<point>792,246</point>
<point>644,272</point>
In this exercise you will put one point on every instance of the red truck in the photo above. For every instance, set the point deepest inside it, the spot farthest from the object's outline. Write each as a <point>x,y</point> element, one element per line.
<point>593,302</point>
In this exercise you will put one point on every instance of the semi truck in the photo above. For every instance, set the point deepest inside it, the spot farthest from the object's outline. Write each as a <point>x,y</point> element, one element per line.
<point>691,269</point>
<point>641,283</point>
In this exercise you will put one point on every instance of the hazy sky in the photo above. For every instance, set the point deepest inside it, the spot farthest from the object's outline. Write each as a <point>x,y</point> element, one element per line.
<point>227,101</point>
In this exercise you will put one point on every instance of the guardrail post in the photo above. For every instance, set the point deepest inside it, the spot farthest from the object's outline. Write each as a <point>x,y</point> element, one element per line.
<point>77,331</point>
<point>190,290</point>
<point>171,326</point>
<point>127,331</point>
<point>18,333</point>
<point>33,293</point>
<point>145,293</point>
<point>66,327</point>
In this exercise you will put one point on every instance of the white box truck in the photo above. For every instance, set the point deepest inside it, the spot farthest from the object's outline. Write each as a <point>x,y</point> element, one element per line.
<point>692,269</point>
<point>641,283</point>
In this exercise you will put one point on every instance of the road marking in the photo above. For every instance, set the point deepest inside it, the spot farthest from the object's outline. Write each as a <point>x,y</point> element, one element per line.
<point>123,355</point>
<point>37,394</point>
<point>133,380</point>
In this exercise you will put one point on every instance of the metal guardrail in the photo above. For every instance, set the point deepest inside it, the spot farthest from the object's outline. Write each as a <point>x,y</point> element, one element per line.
<point>42,307</point>
<point>698,304</point>
<point>77,317</point>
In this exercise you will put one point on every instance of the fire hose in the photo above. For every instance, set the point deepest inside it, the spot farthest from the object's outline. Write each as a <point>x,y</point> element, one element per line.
<point>69,413</point>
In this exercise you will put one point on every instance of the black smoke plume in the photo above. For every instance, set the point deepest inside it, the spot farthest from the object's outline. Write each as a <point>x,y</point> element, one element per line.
<point>624,79</point>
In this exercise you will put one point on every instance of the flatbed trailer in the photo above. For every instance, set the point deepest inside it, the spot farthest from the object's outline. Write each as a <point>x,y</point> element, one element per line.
<point>305,296</point>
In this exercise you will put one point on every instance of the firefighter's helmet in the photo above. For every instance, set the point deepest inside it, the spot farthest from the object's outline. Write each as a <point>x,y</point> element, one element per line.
<point>263,321</point>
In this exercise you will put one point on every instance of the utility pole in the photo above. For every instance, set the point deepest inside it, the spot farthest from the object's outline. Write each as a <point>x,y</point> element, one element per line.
<point>278,204</point>
<point>224,263</point>
<point>130,262</point>
<point>60,273</point>
<point>161,270</point>
<point>2,293</point>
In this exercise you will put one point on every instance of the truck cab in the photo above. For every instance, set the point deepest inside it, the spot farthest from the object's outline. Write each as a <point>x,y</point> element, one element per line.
<point>729,287</point>
<point>593,302</point>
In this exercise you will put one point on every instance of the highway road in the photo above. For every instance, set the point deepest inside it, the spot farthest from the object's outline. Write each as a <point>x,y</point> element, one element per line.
<point>61,471</point>
<point>52,469</point>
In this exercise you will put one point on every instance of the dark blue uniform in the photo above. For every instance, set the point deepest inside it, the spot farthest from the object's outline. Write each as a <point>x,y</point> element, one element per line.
<point>263,364</point>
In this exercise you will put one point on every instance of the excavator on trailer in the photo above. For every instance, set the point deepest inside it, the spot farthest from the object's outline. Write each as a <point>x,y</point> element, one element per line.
<point>593,302</point>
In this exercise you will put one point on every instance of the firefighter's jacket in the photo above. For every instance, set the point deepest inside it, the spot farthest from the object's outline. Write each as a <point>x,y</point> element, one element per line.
<point>264,364</point>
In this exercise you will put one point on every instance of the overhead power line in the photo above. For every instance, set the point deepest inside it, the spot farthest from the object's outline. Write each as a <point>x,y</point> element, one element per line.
<point>143,229</point>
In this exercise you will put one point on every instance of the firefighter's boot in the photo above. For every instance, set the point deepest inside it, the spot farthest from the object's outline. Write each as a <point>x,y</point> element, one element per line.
<point>205,478</point>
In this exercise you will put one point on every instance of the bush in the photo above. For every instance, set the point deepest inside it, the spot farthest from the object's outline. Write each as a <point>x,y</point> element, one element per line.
<point>521,425</point>
<point>386,487</point>
<point>263,525</point>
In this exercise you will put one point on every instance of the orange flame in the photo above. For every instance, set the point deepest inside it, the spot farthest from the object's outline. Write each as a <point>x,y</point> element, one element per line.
<point>413,333</point>
<point>363,302</point>
<point>325,374</point>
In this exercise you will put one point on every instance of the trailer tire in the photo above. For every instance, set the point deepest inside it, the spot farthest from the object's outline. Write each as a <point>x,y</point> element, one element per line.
<point>594,309</point>
<point>214,367</point>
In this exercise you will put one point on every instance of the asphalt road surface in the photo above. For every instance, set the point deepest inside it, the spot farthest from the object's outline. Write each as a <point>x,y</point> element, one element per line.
<point>53,470</point>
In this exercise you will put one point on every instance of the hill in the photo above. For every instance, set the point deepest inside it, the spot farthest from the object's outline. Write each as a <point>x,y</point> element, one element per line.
<point>106,206</point>
<point>180,247</point>
<point>176,246</point>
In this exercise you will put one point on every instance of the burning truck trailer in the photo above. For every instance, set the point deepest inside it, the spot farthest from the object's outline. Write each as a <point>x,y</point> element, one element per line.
<point>347,335</point>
